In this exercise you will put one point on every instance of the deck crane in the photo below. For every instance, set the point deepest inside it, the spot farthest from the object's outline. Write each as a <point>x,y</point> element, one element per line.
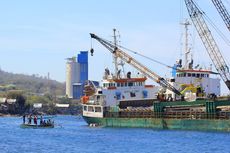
<point>223,12</point>
<point>210,44</point>
<point>130,60</point>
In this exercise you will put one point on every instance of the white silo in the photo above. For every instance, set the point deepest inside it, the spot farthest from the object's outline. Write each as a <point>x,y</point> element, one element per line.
<point>72,75</point>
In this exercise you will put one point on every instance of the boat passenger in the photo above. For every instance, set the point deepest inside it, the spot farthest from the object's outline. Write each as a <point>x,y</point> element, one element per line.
<point>35,119</point>
<point>41,120</point>
<point>44,122</point>
<point>24,118</point>
<point>49,122</point>
<point>29,119</point>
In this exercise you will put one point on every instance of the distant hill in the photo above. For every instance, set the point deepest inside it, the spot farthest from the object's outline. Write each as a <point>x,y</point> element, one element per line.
<point>30,83</point>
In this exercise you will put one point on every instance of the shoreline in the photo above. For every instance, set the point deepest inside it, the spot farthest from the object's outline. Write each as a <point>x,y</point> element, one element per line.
<point>17,115</point>
<point>9,115</point>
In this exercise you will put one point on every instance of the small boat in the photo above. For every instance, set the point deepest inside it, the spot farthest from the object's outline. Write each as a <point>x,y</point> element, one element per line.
<point>36,126</point>
<point>45,122</point>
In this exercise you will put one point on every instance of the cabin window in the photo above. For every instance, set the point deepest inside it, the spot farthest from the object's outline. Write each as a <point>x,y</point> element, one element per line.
<point>97,98</point>
<point>202,75</point>
<point>85,108</point>
<point>132,94</point>
<point>189,74</point>
<point>130,84</point>
<point>100,92</point>
<point>207,75</point>
<point>97,109</point>
<point>118,84</point>
<point>125,84</point>
<point>197,75</point>
<point>193,75</point>
<point>90,109</point>
<point>184,75</point>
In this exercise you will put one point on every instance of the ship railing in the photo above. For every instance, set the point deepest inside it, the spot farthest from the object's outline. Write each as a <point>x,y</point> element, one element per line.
<point>169,115</point>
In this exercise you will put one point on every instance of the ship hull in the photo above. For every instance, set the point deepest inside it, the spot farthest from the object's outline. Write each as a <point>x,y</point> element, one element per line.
<point>159,123</point>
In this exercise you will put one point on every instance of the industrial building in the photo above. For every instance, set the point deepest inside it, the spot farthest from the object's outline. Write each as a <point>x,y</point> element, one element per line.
<point>76,74</point>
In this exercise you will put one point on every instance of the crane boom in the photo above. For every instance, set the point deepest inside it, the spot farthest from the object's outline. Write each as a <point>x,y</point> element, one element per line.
<point>210,44</point>
<point>223,12</point>
<point>130,60</point>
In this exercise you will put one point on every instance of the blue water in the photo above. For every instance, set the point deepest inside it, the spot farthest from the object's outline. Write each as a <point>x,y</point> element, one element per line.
<point>72,135</point>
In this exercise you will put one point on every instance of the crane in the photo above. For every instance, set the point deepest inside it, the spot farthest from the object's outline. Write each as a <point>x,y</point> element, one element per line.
<point>117,52</point>
<point>210,44</point>
<point>223,12</point>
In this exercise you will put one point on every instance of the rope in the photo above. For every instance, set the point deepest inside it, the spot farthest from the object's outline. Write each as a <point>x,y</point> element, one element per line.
<point>221,34</point>
<point>151,59</point>
<point>134,52</point>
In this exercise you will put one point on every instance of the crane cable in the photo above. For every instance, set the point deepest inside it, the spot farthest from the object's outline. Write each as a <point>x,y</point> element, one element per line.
<point>220,33</point>
<point>151,59</point>
<point>227,2</point>
<point>226,40</point>
<point>134,52</point>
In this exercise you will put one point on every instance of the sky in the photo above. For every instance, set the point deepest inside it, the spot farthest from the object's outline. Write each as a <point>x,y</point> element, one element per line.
<point>37,36</point>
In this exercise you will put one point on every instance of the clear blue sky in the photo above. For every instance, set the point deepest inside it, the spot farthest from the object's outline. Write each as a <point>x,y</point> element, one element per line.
<point>37,36</point>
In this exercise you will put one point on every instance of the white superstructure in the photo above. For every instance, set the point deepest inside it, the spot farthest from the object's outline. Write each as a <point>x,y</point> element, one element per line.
<point>196,81</point>
<point>201,79</point>
<point>114,92</point>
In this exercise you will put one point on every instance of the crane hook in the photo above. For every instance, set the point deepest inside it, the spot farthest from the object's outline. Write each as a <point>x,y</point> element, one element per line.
<point>91,51</point>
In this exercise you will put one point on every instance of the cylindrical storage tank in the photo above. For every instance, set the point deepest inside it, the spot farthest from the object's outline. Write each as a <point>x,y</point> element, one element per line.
<point>72,75</point>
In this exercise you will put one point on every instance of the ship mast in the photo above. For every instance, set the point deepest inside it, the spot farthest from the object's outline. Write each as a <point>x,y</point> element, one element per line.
<point>186,48</point>
<point>114,55</point>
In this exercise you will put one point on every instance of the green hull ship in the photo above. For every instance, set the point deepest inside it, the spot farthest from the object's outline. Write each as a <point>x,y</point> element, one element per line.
<point>158,119</point>
<point>189,100</point>
<point>160,123</point>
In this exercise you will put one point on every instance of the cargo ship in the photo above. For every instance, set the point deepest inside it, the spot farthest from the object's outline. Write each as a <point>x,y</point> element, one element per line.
<point>189,100</point>
<point>129,102</point>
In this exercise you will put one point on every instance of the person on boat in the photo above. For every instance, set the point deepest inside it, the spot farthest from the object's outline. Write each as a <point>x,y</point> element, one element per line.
<point>41,120</point>
<point>35,119</point>
<point>48,122</point>
<point>29,119</point>
<point>44,123</point>
<point>24,119</point>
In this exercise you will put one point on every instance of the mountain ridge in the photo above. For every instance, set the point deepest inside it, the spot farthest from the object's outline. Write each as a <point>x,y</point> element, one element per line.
<point>30,83</point>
